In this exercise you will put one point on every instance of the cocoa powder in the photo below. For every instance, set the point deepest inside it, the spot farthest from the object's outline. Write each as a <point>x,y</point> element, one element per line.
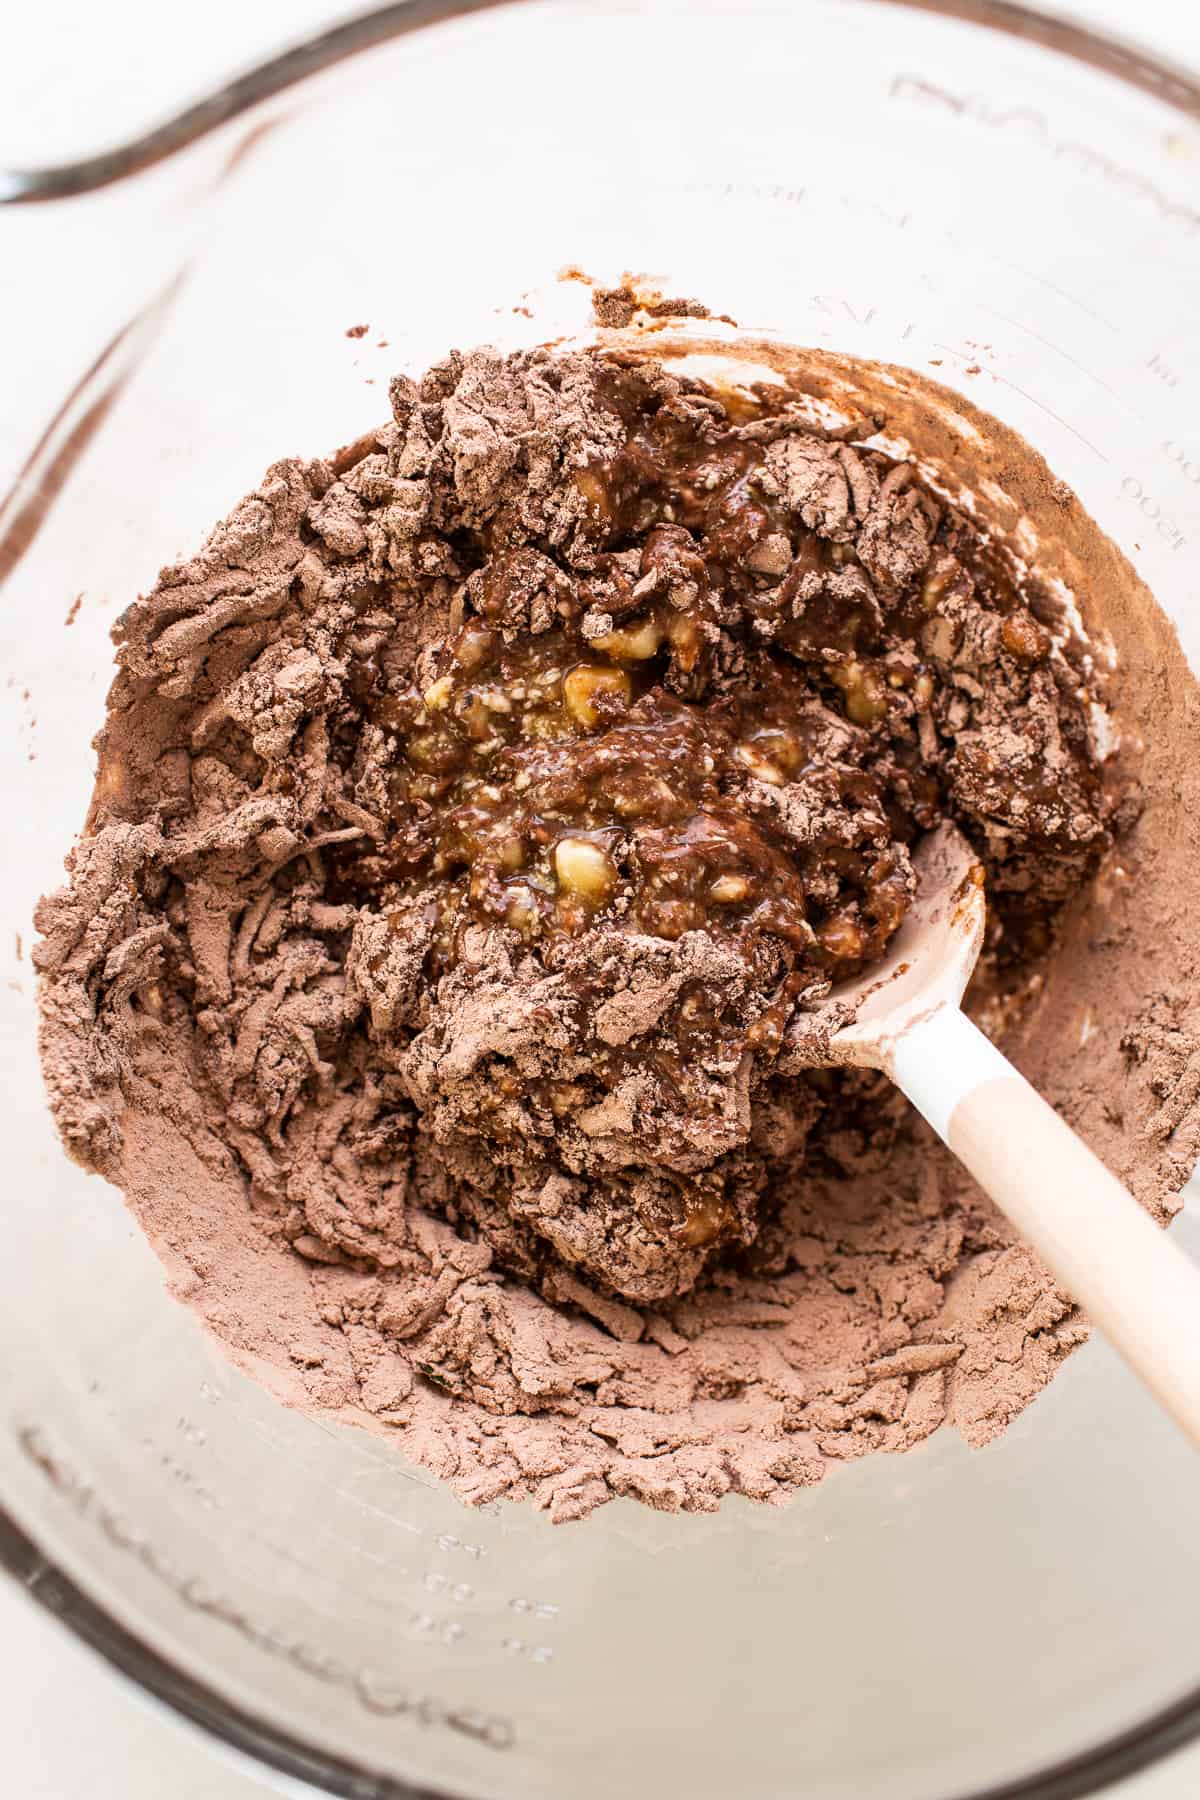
<point>202,991</point>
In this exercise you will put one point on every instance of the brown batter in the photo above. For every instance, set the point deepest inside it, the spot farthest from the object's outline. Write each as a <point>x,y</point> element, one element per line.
<point>714,713</point>
<point>476,814</point>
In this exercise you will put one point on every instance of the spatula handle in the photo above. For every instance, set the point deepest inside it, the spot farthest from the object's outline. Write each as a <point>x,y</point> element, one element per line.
<point>1137,1285</point>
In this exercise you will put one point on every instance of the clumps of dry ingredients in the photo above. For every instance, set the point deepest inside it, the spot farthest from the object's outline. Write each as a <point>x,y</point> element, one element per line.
<point>478,812</point>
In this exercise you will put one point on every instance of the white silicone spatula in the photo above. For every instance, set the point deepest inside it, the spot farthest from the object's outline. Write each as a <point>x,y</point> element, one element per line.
<point>1138,1287</point>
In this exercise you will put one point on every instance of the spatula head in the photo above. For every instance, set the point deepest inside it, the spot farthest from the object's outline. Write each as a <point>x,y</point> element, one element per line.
<point>928,964</point>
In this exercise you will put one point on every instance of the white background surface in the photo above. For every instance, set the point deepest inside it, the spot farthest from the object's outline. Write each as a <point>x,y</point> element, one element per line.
<point>75,76</point>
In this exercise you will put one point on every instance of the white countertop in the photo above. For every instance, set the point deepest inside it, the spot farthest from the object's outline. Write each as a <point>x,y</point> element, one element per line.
<point>73,75</point>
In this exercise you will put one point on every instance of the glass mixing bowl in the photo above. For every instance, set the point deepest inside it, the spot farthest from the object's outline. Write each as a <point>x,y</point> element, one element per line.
<point>909,183</point>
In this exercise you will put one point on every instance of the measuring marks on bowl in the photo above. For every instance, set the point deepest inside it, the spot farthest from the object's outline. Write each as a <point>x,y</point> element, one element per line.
<point>468,1600</point>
